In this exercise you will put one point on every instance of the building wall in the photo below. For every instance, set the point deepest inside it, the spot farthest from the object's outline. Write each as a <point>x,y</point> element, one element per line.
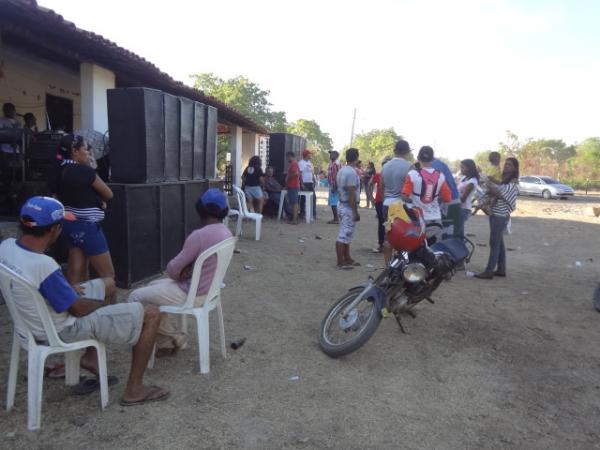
<point>26,79</point>
<point>248,148</point>
<point>95,81</point>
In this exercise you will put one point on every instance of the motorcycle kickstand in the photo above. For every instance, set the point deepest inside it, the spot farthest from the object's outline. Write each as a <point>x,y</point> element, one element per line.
<point>429,300</point>
<point>397,316</point>
<point>411,313</point>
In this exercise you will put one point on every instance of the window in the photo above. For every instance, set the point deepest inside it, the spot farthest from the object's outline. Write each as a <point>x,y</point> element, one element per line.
<point>60,113</point>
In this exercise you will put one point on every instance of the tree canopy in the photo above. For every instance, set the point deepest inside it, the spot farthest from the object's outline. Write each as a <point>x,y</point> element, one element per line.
<point>375,144</point>
<point>243,95</point>
<point>316,140</point>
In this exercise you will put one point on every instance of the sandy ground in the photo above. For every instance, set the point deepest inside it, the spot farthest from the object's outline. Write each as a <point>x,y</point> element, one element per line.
<point>510,363</point>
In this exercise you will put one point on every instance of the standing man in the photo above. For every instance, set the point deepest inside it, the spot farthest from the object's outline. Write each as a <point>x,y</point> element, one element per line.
<point>392,179</point>
<point>332,171</point>
<point>8,120</point>
<point>425,187</point>
<point>292,182</point>
<point>308,181</point>
<point>452,214</point>
<point>348,185</point>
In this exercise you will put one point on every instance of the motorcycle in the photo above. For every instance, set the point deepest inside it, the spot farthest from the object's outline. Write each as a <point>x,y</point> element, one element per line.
<point>408,279</point>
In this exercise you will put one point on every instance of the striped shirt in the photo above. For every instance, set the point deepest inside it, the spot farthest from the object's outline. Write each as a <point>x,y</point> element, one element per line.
<point>332,170</point>
<point>87,214</point>
<point>508,200</point>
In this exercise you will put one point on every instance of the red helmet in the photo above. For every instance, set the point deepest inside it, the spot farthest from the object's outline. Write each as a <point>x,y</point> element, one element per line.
<point>406,227</point>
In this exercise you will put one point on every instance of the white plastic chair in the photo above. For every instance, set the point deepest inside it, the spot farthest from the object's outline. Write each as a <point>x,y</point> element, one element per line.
<point>231,213</point>
<point>224,252</point>
<point>38,352</point>
<point>245,214</point>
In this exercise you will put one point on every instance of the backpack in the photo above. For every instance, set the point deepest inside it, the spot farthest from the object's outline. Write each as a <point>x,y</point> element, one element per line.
<point>429,185</point>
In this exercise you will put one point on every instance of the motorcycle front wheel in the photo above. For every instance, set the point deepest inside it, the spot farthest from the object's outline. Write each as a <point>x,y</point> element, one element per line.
<point>342,335</point>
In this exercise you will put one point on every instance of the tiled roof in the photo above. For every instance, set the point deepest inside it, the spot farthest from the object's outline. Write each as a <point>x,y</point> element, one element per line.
<point>51,28</point>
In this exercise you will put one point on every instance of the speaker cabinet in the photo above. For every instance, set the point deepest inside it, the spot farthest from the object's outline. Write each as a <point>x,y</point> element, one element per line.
<point>136,123</point>
<point>146,225</point>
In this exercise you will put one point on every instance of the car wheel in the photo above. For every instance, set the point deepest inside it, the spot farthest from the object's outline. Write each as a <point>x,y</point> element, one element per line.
<point>546,194</point>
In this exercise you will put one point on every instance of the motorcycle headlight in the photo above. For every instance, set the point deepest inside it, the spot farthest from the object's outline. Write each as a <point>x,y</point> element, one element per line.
<point>414,272</point>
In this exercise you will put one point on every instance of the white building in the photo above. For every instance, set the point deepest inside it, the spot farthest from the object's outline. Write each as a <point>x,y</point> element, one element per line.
<point>61,73</point>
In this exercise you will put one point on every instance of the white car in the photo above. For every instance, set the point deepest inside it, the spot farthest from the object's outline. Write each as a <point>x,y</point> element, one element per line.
<point>545,187</point>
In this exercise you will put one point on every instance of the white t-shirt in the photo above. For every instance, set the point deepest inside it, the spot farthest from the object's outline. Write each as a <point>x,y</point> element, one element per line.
<point>307,170</point>
<point>431,211</point>
<point>43,273</point>
<point>461,188</point>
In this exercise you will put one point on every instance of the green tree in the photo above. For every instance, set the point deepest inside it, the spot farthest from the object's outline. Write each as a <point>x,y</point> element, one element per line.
<point>587,159</point>
<point>243,95</point>
<point>316,140</point>
<point>510,146</point>
<point>375,144</point>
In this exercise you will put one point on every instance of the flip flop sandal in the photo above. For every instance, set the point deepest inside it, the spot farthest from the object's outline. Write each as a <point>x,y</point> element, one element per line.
<point>345,267</point>
<point>148,398</point>
<point>89,385</point>
<point>355,264</point>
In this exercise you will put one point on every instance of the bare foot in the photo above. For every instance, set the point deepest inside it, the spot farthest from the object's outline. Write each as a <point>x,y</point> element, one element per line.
<point>145,394</point>
<point>89,362</point>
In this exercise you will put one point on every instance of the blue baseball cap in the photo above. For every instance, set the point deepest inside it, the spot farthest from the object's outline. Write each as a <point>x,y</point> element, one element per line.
<point>214,196</point>
<point>43,211</point>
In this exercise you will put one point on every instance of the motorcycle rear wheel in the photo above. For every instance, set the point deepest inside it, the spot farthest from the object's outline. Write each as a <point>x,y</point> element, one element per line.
<point>359,326</point>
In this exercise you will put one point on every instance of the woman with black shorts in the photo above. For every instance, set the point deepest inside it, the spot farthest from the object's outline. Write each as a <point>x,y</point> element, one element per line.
<point>84,194</point>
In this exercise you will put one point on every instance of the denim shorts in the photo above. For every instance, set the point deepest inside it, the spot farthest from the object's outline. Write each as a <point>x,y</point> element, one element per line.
<point>254,192</point>
<point>333,198</point>
<point>87,236</point>
<point>292,196</point>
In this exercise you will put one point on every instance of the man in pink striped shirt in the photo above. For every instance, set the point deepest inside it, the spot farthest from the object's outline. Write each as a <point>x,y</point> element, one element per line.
<point>212,208</point>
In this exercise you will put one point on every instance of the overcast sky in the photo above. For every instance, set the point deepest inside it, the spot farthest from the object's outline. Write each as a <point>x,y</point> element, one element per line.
<point>451,74</point>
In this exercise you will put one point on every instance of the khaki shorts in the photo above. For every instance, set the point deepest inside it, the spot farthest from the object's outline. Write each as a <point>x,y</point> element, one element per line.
<point>113,324</point>
<point>94,289</point>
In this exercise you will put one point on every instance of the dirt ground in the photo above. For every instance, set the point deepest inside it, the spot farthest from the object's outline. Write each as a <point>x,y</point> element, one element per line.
<point>510,363</point>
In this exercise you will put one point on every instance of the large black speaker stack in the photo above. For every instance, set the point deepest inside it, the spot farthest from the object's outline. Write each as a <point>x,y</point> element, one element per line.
<point>157,137</point>
<point>279,145</point>
<point>163,157</point>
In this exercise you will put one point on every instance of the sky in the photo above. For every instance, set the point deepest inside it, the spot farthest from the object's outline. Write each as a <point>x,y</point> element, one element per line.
<point>451,74</point>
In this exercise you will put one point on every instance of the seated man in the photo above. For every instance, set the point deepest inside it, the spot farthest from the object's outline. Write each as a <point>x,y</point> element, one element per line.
<point>212,208</point>
<point>273,189</point>
<point>75,316</point>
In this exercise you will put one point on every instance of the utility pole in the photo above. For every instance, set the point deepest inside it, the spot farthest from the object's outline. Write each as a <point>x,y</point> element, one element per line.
<point>353,122</point>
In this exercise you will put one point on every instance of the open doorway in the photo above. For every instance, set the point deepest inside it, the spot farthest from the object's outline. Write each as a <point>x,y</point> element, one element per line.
<point>60,113</point>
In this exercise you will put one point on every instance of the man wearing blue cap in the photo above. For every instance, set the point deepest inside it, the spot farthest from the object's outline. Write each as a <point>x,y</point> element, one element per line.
<point>75,314</point>
<point>212,208</point>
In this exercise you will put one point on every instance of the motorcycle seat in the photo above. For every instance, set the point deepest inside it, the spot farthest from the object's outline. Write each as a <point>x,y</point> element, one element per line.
<point>455,248</point>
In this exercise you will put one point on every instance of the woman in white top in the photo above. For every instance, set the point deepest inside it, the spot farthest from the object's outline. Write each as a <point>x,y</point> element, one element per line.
<point>467,186</point>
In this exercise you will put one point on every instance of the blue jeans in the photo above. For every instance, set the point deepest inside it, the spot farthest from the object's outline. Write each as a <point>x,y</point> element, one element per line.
<point>380,221</point>
<point>466,215</point>
<point>497,259</point>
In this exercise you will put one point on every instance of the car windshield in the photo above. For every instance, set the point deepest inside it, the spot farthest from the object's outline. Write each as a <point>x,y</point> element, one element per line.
<point>549,180</point>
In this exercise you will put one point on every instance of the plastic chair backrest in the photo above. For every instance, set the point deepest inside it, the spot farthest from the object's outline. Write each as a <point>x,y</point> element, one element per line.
<point>241,198</point>
<point>8,280</point>
<point>224,252</point>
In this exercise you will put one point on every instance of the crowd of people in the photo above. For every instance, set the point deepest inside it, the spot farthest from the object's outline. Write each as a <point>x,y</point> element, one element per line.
<point>446,203</point>
<point>83,308</point>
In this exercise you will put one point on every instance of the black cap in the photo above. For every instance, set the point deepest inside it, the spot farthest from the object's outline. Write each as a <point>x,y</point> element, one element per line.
<point>425,154</point>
